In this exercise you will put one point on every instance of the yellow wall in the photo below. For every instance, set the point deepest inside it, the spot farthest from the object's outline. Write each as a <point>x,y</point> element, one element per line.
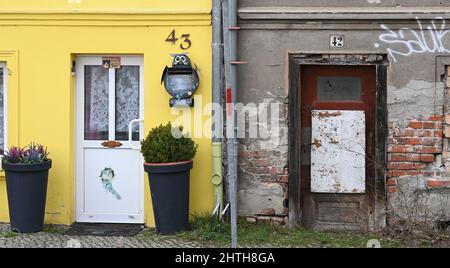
<point>165,5</point>
<point>39,45</point>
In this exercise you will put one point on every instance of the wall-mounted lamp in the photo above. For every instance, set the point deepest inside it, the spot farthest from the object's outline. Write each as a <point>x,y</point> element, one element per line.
<point>181,81</point>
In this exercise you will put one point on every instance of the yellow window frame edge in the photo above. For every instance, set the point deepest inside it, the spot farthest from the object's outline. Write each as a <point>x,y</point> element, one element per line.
<point>11,58</point>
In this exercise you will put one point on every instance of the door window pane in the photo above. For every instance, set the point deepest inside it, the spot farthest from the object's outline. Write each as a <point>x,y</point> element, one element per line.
<point>96,109</point>
<point>2,112</point>
<point>127,101</point>
<point>338,88</point>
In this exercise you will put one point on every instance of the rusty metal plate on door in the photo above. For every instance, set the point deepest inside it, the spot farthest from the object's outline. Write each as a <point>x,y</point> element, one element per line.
<point>338,151</point>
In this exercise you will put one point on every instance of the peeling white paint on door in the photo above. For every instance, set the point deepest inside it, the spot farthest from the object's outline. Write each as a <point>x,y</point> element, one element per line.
<point>338,151</point>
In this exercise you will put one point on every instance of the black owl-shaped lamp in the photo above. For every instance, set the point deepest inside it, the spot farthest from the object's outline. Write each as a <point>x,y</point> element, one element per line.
<point>181,81</point>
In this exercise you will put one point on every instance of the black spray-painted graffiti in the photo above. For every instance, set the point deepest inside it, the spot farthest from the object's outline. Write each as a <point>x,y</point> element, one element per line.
<point>429,39</point>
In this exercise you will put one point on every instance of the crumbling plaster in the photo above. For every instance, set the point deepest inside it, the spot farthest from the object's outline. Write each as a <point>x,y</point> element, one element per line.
<point>414,90</point>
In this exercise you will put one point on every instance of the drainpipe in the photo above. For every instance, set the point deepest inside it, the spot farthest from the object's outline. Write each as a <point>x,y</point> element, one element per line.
<point>230,53</point>
<point>217,127</point>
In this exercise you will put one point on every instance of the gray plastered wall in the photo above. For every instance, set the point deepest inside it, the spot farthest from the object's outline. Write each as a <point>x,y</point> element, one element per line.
<point>413,42</point>
<point>340,3</point>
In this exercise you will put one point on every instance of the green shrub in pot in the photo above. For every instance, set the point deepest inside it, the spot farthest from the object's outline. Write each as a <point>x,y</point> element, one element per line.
<point>168,155</point>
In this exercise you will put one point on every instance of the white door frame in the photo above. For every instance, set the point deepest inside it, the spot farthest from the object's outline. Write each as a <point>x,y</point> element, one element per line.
<point>81,144</point>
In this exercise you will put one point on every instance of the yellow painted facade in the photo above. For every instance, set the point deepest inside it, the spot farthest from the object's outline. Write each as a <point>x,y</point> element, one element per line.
<point>39,41</point>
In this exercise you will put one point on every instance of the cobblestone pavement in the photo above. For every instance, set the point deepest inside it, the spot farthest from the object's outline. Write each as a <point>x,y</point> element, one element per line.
<point>53,238</point>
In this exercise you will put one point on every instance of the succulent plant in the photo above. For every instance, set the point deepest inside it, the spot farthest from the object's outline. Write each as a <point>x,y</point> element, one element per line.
<point>32,154</point>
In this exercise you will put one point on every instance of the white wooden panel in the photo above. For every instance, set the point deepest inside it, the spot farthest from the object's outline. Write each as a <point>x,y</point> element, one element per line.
<point>113,196</point>
<point>338,151</point>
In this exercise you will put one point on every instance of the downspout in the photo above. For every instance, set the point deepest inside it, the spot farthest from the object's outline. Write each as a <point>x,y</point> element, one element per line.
<point>230,53</point>
<point>217,127</point>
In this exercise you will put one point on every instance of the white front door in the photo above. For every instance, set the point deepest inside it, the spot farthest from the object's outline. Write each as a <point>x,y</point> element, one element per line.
<point>109,172</point>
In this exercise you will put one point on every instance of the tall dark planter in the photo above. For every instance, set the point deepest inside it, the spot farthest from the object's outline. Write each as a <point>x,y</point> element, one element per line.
<point>169,185</point>
<point>27,191</point>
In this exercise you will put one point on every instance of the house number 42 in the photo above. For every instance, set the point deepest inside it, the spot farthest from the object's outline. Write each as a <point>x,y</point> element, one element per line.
<point>186,44</point>
<point>337,41</point>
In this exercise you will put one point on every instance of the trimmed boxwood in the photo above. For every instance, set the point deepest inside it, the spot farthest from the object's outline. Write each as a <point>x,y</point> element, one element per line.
<point>167,144</point>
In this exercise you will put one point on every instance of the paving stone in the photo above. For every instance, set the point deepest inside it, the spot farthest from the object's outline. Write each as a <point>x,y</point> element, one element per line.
<point>55,240</point>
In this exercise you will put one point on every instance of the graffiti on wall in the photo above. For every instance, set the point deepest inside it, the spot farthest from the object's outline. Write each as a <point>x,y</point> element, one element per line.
<point>425,39</point>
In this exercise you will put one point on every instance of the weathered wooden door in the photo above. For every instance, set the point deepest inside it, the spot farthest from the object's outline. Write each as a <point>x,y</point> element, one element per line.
<point>337,146</point>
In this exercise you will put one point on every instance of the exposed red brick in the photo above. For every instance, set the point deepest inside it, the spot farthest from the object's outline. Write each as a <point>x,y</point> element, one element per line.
<point>412,172</point>
<point>391,182</point>
<point>397,157</point>
<point>261,162</point>
<point>435,184</point>
<point>424,133</point>
<point>428,158</point>
<point>438,133</point>
<point>429,141</point>
<point>404,133</point>
<point>416,125</point>
<point>400,149</point>
<point>419,165</point>
<point>412,157</point>
<point>392,190</point>
<point>413,141</point>
<point>395,173</point>
<point>267,211</point>
<point>436,117</point>
<point>428,125</point>
<point>400,165</point>
<point>429,150</point>
<point>284,179</point>
<point>427,173</point>
<point>398,141</point>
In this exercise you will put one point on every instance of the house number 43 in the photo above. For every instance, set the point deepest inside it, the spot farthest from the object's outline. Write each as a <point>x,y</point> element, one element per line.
<point>186,42</point>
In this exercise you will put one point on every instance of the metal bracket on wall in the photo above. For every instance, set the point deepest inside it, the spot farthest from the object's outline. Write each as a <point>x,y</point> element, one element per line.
<point>73,69</point>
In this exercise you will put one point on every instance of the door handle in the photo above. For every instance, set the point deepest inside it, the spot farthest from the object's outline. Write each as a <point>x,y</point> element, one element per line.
<point>130,133</point>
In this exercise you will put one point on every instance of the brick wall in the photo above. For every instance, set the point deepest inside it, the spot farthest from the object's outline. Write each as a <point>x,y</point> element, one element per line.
<point>421,148</point>
<point>413,149</point>
<point>264,167</point>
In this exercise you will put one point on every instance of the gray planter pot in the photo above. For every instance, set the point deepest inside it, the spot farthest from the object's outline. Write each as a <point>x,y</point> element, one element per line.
<point>27,192</point>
